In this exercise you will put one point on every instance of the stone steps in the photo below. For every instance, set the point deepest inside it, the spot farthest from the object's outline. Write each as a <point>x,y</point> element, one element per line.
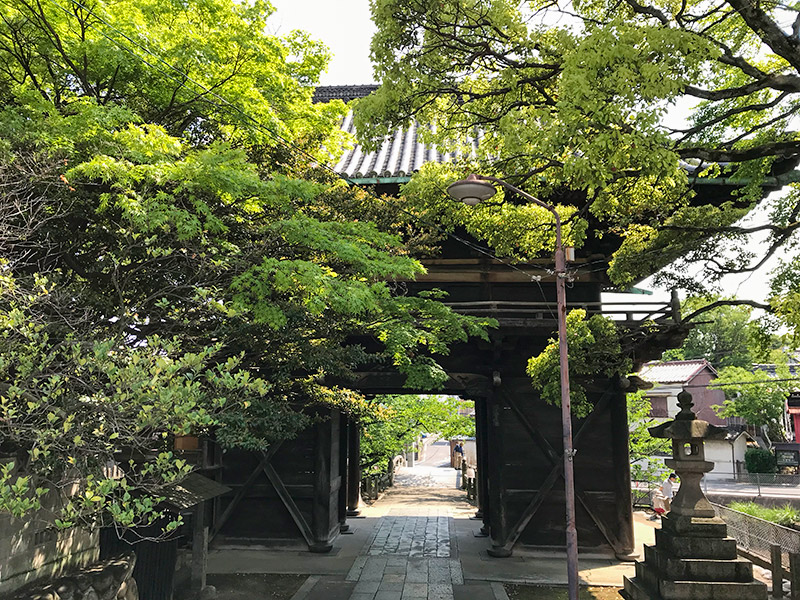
<point>637,589</point>
<point>699,569</point>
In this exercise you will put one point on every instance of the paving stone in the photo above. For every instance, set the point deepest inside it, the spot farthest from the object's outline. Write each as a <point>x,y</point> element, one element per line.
<point>394,577</point>
<point>440,591</point>
<point>389,595</point>
<point>415,591</point>
<point>391,586</point>
<point>366,587</point>
<point>355,570</point>
<point>456,574</point>
<point>473,591</point>
<point>391,569</point>
<point>362,597</point>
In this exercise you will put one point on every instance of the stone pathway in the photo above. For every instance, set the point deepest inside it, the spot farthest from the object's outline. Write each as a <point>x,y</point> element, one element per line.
<point>413,554</point>
<point>409,558</point>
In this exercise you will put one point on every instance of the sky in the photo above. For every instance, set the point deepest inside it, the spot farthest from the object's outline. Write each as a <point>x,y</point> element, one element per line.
<point>346,28</point>
<point>342,25</point>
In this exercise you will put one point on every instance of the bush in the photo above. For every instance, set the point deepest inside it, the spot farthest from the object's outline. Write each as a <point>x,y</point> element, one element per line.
<point>782,515</point>
<point>759,460</point>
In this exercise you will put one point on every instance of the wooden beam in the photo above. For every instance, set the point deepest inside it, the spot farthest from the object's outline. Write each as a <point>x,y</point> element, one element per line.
<point>289,503</point>
<point>344,432</point>
<point>265,458</point>
<point>557,471</point>
<point>353,469</point>
<point>199,547</point>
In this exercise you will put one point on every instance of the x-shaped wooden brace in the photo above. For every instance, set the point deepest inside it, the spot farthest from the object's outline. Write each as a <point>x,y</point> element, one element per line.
<point>557,460</point>
<point>265,466</point>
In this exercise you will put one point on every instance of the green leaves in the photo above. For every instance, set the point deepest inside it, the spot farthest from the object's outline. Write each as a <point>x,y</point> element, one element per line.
<point>397,422</point>
<point>594,347</point>
<point>753,396</point>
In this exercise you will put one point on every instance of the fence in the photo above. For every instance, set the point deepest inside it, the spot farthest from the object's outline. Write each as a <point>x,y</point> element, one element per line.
<point>373,485</point>
<point>756,536</point>
<point>642,493</point>
<point>759,479</point>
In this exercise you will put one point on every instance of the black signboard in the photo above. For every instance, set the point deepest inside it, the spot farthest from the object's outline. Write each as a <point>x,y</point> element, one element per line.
<point>787,458</point>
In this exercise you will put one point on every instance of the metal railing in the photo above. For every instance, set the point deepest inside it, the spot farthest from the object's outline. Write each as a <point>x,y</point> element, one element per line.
<point>373,485</point>
<point>759,479</point>
<point>755,536</point>
<point>618,311</point>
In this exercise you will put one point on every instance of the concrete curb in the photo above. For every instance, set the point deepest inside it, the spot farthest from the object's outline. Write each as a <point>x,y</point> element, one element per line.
<point>305,589</point>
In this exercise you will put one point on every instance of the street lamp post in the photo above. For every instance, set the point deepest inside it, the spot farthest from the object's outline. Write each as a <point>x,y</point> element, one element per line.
<point>472,191</point>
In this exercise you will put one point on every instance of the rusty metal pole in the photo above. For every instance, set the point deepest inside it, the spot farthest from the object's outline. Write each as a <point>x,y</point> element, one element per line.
<point>566,416</point>
<point>471,191</point>
<point>566,413</point>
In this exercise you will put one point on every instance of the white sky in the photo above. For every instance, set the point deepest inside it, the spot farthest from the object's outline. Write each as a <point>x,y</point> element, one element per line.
<point>342,25</point>
<point>346,28</point>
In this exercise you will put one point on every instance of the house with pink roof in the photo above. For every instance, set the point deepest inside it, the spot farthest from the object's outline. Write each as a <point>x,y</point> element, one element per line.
<point>671,378</point>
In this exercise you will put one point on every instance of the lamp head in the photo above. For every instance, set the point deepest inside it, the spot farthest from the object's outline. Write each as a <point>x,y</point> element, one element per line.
<point>471,191</point>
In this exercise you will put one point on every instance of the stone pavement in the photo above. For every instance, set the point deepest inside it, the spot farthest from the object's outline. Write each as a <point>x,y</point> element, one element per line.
<point>419,543</point>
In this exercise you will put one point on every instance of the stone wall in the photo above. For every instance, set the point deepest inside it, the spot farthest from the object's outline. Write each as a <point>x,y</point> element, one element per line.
<point>31,550</point>
<point>107,580</point>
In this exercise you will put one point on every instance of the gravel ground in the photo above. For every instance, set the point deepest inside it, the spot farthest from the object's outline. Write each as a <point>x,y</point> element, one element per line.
<point>256,586</point>
<point>535,592</point>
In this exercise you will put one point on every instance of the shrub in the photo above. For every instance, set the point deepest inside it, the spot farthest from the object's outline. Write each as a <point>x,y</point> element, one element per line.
<point>759,460</point>
<point>782,515</point>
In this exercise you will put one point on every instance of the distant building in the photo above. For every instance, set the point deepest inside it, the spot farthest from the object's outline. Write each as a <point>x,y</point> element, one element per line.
<point>671,378</point>
<point>791,423</point>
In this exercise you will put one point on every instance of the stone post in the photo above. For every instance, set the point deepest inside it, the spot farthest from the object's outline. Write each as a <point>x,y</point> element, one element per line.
<point>693,558</point>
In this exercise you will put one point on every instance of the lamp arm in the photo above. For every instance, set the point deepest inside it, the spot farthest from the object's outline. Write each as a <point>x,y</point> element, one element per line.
<point>530,198</point>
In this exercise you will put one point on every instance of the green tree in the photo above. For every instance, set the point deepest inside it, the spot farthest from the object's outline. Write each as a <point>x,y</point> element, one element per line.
<point>760,460</point>
<point>400,421</point>
<point>577,103</point>
<point>726,336</point>
<point>755,397</point>
<point>643,446</point>
<point>170,265</point>
<point>593,346</point>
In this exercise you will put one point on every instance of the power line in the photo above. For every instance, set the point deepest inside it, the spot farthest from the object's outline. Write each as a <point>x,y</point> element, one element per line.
<point>765,382</point>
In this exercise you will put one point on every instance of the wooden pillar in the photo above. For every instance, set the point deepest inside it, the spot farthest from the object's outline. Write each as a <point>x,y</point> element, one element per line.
<point>199,547</point>
<point>498,518</point>
<point>323,462</point>
<point>344,428</point>
<point>353,469</point>
<point>481,448</point>
<point>620,458</point>
<point>794,575</point>
<point>776,553</point>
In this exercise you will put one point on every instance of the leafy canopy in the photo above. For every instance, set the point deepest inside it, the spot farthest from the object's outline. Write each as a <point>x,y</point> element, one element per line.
<point>401,420</point>
<point>581,103</point>
<point>168,266</point>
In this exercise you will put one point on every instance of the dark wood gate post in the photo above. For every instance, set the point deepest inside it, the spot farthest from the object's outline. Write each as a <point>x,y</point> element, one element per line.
<point>482,449</point>
<point>353,469</point>
<point>498,519</point>
<point>326,468</point>
<point>620,456</point>
<point>344,429</point>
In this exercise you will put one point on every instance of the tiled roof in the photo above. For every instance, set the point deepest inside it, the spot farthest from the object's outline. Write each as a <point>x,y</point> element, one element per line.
<point>772,369</point>
<point>676,371</point>
<point>399,155</point>
<point>326,93</point>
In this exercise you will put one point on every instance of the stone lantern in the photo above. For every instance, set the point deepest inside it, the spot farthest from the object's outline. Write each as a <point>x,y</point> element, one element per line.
<point>693,558</point>
<point>687,433</point>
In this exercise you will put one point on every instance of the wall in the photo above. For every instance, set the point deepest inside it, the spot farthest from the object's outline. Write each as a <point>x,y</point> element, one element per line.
<point>704,398</point>
<point>30,550</point>
<point>721,453</point>
<point>107,580</point>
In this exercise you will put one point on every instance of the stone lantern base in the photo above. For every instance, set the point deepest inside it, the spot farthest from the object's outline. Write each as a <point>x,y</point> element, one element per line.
<point>693,559</point>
